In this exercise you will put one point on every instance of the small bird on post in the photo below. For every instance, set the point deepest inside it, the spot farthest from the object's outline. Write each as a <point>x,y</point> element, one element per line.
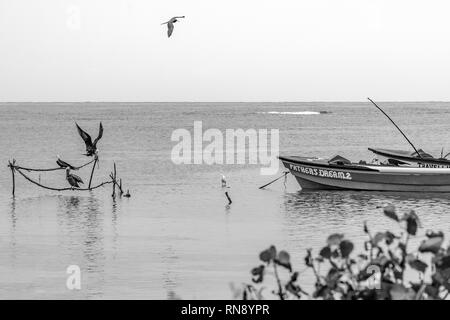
<point>224,181</point>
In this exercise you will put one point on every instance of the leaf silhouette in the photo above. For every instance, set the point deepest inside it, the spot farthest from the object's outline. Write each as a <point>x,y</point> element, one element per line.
<point>325,252</point>
<point>443,262</point>
<point>335,239</point>
<point>335,254</point>
<point>308,258</point>
<point>399,292</point>
<point>389,237</point>
<point>431,234</point>
<point>418,265</point>
<point>346,248</point>
<point>411,226</point>
<point>389,211</point>
<point>268,254</point>
<point>379,236</point>
<point>283,260</point>
<point>258,274</point>
<point>431,245</point>
<point>412,222</point>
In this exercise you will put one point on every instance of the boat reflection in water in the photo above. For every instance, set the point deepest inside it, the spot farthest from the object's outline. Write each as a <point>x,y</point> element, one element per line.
<point>323,212</point>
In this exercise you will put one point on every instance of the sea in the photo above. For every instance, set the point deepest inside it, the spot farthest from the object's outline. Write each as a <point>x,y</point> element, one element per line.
<point>176,236</point>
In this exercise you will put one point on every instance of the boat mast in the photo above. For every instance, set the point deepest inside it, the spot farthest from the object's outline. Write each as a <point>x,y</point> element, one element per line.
<point>396,127</point>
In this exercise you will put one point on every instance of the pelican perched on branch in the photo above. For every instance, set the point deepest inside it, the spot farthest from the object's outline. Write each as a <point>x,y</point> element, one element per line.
<point>91,147</point>
<point>73,179</point>
<point>64,164</point>
<point>170,25</point>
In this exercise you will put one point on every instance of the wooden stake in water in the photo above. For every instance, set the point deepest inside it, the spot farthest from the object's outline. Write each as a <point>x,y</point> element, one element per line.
<point>228,197</point>
<point>11,166</point>
<point>114,181</point>
<point>92,172</point>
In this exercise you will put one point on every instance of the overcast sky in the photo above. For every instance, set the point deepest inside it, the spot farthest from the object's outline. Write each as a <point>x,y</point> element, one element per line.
<point>227,50</point>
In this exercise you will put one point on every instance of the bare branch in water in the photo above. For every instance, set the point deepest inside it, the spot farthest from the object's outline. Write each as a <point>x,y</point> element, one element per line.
<point>60,189</point>
<point>52,169</point>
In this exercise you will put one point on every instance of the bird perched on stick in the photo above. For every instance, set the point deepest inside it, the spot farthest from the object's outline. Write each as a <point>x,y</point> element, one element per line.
<point>63,164</point>
<point>170,25</point>
<point>73,179</point>
<point>224,181</point>
<point>91,147</point>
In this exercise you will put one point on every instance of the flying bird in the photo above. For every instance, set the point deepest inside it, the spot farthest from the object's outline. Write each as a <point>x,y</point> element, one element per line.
<point>73,179</point>
<point>91,147</point>
<point>63,164</point>
<point>170,25</point>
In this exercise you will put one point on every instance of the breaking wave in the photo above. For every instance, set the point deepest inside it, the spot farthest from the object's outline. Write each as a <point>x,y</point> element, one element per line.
<point>306,113</point>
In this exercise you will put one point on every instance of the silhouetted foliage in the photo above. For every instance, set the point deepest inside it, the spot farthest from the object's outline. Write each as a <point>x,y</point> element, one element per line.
<point>377,273</point>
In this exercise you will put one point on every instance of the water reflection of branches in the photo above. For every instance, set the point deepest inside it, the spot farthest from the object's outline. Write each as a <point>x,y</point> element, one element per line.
<point>84,222</point>
<point>13,213</point>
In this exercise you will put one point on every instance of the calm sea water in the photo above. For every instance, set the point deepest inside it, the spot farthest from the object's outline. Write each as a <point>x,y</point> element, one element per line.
<point>175,233</point>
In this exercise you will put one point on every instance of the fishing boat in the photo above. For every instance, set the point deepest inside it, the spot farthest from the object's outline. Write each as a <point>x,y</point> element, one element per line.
<point>402,172</point>
<point>419,158</point>
<point>340,173</point>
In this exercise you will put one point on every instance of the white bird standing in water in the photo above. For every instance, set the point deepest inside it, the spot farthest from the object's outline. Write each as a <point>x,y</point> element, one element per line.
<point>224,181</point>
<point>170,25</point>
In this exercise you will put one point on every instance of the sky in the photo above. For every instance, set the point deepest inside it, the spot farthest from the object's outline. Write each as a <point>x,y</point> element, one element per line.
<point>233,50</point>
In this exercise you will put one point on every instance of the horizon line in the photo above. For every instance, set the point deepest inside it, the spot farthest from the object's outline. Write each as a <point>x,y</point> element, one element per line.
<point>217,101</point>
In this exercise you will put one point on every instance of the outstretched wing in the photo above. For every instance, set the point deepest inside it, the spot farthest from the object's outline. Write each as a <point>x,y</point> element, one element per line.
<point>60,163</point>
<point>77,178</point>
<point>86,137</point>
<point>169,29</point>
<point>64,164</point>
<point>100,134</point>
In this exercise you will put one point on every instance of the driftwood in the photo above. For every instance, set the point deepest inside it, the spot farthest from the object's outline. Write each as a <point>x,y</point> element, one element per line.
<point>11,166</point>
<point>51,169</point>
<point>228,197</point>
<point>92,171</point>
<point>15,168</point>
<point>61,189</point>
<point>113,176</point>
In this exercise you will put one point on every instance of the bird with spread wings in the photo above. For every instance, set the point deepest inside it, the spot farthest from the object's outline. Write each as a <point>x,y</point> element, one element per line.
<point>170,24</point>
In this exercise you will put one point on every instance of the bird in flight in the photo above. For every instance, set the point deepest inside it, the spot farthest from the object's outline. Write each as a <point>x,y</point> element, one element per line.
<point>64,164</point>
<point>73,179</point>
<point>170,25</point>
<point>91,147</point>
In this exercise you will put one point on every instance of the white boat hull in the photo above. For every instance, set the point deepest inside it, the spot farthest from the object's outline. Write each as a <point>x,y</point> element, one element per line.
<point>317,174</point>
